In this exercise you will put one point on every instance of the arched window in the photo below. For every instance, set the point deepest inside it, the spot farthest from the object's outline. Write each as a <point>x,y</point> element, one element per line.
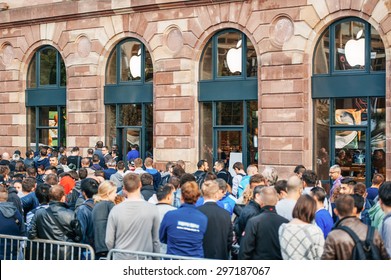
<point>228,99</point>
<point>348,90</point>
<point>46,99</point>
<point>128,97</point>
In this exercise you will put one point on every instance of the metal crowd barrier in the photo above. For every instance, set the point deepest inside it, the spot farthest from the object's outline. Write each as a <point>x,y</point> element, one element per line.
<point>21,248</point>
<point>117,254</point>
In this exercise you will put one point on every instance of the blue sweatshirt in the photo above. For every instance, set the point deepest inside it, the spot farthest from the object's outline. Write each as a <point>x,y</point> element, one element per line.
<point>183,231</point>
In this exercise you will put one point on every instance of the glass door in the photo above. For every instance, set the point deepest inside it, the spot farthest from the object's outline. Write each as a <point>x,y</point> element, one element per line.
<point>229,146</point>
<point>351,152</point>
<point>127,137</point>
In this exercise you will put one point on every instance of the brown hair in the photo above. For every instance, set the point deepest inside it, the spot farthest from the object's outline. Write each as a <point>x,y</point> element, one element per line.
<point>210,188</point>
<point>360,189</point>
<point>344,205</point>
<point>148,161</point>
<point>3,193</point>
<point>28,184</point>
<point>56,193</point>
<point>138,162</point>
<point>305,208</point>
<point>190,192</point>
<point>378,179</point>
<point>131,182</point>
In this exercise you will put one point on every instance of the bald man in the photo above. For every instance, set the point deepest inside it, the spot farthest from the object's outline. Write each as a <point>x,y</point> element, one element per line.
<point>294,189</point>
<point>260,238</point>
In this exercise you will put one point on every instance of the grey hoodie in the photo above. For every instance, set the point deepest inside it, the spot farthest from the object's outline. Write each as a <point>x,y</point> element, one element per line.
<point>8,209</point>
<point>117,178</point>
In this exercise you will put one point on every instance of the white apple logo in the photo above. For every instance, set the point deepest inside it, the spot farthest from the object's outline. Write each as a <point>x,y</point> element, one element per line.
<point>135,65</point>
<point>234,58</point>
<point>355,50</point>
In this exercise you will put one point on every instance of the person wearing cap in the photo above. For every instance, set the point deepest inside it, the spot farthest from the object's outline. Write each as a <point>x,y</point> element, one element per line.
<point>17,152</point>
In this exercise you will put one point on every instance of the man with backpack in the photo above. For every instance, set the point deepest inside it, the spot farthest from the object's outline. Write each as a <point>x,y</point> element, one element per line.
<point>203,168</point>
<point>349,236</point>
<point>89,188</point>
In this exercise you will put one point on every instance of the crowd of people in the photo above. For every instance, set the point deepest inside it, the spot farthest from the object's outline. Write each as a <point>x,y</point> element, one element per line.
<point>112,202</point>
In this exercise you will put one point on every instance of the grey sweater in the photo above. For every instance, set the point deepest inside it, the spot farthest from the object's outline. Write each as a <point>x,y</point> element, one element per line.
<point>133,225</point>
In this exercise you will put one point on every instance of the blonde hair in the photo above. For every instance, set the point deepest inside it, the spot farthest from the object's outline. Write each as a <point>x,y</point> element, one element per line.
<point>104,191</point>
<point>248,194</point>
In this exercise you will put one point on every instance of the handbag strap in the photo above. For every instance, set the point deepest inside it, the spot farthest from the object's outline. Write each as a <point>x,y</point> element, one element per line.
<point>352,234</point>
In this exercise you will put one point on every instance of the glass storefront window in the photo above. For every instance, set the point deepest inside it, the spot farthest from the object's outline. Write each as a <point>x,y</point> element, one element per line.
<point>378,135</point>
<point>129,115</point>
<point>351,145</point>
<point>148,67</point>
<point>128,129</point>
<point>229,58</point>
<point>229,113</point>
<point>133,64</point>
<point>322,55</point>
<point>350,153</point>
<point>111,130</point>
<point>252,132</point>
<point>48,116</point>
<point>51,129</point>
<point>321,134</point>
<point>46,124</point>
<point>111,73</point>
<point>252,62</point>
<point>378,53</point>
<point>351,111</point>
<point>129,72</point>
<point>31,128</point>
<point>32,73</point>
<point>48,67</point>
<point>349,121</point>
<point>225,54</point>
<point>130,64</point>
<point>228,141</point>
<point>206,121</point>
<point>149,130</point>
<point>206,63</point>
<point>63,75</point>
<point>49,62</point>
<point>349,46</point>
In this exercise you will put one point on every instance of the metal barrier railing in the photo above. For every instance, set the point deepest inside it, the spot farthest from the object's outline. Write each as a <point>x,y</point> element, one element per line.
<point>115,254</point>
<point>22,248</point>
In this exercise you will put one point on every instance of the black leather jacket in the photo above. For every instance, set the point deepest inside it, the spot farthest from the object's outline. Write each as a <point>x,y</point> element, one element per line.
<point>43,226</point>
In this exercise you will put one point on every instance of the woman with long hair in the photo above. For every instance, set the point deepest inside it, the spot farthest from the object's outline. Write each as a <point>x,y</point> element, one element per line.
<point>104,202</point>
<point>300,239</point>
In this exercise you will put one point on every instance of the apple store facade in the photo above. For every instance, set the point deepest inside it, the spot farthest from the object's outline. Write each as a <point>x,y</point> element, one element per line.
<point>274,85</point>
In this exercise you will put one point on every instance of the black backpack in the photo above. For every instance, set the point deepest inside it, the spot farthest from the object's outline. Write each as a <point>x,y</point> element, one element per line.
<point>72,197</point>
<point>200,177</point>
<point>363,250</point>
